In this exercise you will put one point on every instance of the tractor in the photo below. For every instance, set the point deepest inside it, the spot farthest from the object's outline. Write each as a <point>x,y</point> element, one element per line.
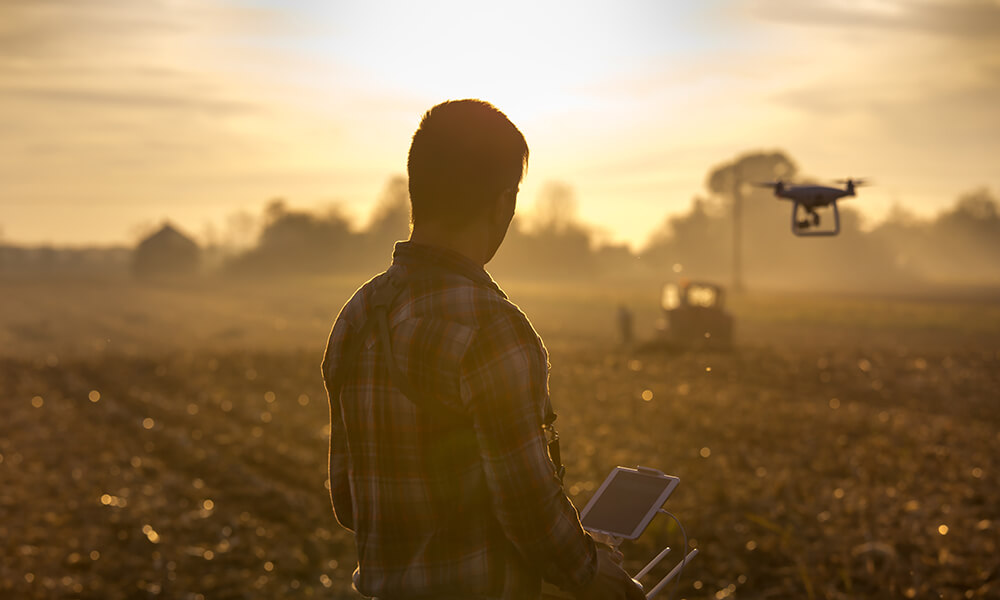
<point>694,317</point>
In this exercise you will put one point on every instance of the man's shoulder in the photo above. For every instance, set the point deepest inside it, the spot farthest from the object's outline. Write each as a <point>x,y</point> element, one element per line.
<point>438,296</point>
<point>355,309</point>
<point>454,297</point>
<point>497,322</point>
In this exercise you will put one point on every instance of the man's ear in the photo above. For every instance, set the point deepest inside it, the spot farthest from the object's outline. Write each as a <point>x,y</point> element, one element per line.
<point>503,211</point>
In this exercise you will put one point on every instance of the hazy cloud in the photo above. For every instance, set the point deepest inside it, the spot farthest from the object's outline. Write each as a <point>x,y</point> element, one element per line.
<point>956,18</point>
<point>117,51</point>
<point>921,76</point>
<point>32,29</point>
<point>125,98</point>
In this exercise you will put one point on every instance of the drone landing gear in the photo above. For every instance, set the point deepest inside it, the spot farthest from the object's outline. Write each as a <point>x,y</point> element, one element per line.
<point>806,223</point>
<point>802,226</point>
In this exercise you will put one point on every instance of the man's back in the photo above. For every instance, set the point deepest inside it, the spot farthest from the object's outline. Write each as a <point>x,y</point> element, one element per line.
<point>438,456</point>
<point>451,491</point>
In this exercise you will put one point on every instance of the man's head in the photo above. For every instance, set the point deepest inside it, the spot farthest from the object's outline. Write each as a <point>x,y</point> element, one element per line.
<point>465,157</point>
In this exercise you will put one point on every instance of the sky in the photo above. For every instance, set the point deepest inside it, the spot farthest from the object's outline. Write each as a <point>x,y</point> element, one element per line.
<point>116,115</point>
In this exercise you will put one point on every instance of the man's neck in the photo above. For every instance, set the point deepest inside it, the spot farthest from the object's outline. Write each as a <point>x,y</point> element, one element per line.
<point>470,242</point>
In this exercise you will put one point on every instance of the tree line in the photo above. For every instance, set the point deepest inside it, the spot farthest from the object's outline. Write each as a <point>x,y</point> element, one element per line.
<point>960,245</point>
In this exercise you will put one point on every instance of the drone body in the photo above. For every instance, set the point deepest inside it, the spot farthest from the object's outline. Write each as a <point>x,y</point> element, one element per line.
<point>808,198</point>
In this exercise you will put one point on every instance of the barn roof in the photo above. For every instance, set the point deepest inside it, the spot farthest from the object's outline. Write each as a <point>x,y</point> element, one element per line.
<point>168,236</point>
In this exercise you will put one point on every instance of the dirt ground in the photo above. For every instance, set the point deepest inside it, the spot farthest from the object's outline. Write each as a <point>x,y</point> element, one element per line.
<point>170,440</point>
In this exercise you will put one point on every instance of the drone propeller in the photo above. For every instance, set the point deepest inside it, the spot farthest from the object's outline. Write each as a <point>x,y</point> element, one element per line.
<point>769,184</point>
<point>855,182</point>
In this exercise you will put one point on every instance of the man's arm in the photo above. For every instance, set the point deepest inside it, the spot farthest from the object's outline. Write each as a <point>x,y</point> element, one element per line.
<point>504,383</point>
<point>340,488</point>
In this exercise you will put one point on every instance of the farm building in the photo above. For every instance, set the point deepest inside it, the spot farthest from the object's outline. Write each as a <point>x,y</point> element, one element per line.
<point>166,253</point>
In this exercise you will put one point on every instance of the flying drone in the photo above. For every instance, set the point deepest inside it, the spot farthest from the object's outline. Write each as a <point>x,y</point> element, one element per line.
<point>808,198</point>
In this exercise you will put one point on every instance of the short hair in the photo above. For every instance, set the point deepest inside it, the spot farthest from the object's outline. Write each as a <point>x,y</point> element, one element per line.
<point>463,155</point>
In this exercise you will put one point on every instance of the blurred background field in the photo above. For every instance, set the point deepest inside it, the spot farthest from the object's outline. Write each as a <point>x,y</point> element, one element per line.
<point>169,439</point>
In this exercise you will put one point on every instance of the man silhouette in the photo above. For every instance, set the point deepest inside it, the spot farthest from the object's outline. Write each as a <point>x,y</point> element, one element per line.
<point>439,405</point>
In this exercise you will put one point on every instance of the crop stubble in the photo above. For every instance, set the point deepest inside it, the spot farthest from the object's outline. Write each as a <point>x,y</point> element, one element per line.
<point>824,469</point>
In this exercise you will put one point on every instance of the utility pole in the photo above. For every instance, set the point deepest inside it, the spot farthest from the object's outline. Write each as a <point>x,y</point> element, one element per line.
<point>737,229</point>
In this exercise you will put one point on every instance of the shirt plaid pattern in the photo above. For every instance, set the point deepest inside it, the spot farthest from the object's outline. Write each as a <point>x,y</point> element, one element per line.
<point>442,508</point>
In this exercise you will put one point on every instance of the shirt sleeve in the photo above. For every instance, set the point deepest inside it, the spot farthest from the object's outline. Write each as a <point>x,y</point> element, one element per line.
<point>340,487</point>
<point>505,386</point>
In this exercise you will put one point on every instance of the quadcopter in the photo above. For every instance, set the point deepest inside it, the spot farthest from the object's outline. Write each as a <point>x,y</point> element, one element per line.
<point>810,197</point>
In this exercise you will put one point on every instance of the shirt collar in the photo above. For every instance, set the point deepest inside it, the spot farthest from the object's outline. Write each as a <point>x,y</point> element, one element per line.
<point>415,256</point>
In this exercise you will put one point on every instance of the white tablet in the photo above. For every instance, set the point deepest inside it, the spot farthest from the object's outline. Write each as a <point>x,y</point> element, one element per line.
<point>627,501</point>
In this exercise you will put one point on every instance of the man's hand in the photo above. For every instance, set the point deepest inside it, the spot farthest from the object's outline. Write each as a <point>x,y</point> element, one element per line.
<point>612,544</point>
<point>611,581</point>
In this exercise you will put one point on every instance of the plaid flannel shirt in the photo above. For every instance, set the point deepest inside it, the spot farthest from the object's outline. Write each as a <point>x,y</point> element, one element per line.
<point>442,508</point>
